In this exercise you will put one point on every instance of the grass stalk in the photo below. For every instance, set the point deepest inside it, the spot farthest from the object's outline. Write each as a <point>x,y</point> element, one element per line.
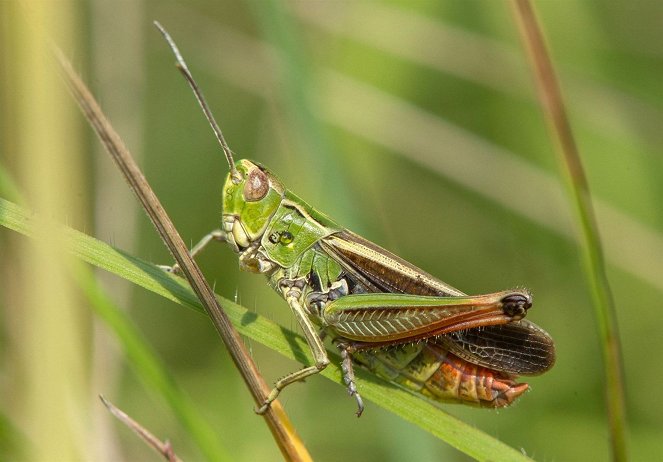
<point>580,198</point>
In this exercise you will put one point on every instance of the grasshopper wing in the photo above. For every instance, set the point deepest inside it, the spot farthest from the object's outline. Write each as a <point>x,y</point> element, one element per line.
<point>374,269</point>
<point>519,347</point>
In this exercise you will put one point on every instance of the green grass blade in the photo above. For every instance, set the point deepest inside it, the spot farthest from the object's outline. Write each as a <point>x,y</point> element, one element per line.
<point>298,87</point>
<point>13,444</point>
<point>429,417</point>
<point>150,370</point>
<point>581,200</point>
<point>141,357</point>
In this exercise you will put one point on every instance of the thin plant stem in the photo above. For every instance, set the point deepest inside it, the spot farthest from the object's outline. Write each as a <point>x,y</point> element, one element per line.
<point>162,447</point>
<point>580,197</point>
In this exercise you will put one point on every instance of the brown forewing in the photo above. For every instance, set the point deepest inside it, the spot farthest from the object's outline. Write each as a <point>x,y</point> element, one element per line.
<point>517,348</point>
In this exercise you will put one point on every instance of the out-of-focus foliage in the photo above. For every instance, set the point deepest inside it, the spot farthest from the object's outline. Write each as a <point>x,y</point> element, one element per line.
<point>429,120</point>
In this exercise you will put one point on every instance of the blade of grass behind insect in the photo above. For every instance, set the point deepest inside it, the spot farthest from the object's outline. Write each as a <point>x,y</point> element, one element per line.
<point>163,448</point>
<point>47,340</point>
<point>120,84</point>
<point>8,187</point>
<point>150,370</point>
<point>580,198</point>
<point>13,444</point>
<point>429,417</point>
<point>141,357</point>
<point>475,58</point>
<point>298,89</point>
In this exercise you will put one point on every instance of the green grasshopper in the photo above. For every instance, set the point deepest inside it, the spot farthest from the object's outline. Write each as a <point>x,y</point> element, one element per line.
<point>380,311</point>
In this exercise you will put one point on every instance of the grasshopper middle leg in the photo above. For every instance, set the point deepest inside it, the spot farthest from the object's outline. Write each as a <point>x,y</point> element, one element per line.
<point>293,295</point>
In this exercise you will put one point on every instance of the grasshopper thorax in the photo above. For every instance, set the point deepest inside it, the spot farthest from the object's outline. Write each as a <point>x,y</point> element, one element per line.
<point>251,195</point>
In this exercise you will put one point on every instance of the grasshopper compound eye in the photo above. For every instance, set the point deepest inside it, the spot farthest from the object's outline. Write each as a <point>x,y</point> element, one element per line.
<point>256,186</point>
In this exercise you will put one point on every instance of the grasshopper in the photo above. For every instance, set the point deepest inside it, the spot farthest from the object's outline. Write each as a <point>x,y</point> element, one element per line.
<point>380,311</point>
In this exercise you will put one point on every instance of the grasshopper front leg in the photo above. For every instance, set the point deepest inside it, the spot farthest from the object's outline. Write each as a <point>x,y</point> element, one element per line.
<point>217,235</point>
<point>293,295</point>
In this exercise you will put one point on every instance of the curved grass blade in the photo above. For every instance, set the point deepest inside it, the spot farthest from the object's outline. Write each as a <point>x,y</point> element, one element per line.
<point>580,198</point>
<point>434,420</point>
<point>150,370</point>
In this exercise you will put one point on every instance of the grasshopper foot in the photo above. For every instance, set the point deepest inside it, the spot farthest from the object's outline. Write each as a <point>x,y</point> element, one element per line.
<point>349,376</point>
<point>175,269</point>
<point>360,404</point>
<point>262,409</point>
<point>268,401</point>
<point>216,235</point>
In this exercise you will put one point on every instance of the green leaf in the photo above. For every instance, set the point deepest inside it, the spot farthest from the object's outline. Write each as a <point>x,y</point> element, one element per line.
<point>414,409</point>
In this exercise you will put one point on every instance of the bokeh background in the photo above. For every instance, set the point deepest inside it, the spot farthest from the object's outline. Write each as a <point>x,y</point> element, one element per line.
<point>413,123</point>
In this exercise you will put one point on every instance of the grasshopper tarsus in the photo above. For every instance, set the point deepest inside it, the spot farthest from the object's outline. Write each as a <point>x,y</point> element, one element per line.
<point>273,394</point>
<point>215,235</point>
<point>349,375</point>
<point>262,409</point>
<point>175,269</point>
<point>360,405</point>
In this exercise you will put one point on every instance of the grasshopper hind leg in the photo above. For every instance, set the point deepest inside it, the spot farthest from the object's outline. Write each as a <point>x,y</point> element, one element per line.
<point>349,374</point>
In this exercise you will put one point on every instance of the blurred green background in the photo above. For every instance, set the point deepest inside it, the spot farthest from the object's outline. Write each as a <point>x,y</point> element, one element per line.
<point>414,124</point>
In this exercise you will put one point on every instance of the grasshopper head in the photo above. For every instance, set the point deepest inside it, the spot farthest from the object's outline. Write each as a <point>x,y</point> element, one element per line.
<point>251,195</point>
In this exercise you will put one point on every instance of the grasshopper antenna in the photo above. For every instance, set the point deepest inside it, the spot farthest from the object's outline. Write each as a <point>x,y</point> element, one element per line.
<point>181,65</point>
